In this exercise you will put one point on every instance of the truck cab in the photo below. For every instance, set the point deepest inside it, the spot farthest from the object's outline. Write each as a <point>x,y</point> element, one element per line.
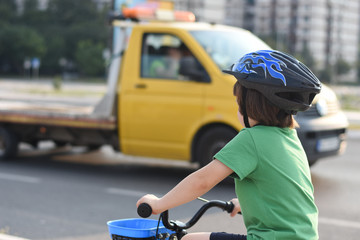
<point>188,112</point>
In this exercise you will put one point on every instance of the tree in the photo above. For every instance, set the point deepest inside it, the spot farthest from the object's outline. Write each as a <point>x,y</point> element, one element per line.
<point>17,44</point>
<point>342,67</point>
<point>73,22</point>
<point>34,17</point>
<point>331,72</point>
<point>70,12</point>
<point>89,58</point>
<point>325,75</point>
<point>54,33</point>
<point>269,39</point>
<point>7,12</point>
<point>358,64</point>
<point>56,50</point>
<point>306,57</point>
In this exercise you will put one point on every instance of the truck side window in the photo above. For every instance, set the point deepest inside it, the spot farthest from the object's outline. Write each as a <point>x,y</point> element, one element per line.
<point>165,56</point>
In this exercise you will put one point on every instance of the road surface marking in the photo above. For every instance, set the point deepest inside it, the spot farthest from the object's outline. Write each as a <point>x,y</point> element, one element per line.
<point>126,192</point>
<point>339,222</point>
<point>9,237</point>
<point>19,178</point>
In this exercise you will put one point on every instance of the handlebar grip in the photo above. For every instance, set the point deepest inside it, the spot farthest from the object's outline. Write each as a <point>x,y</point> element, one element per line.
<point>229,207</point>
<point>144,210</point>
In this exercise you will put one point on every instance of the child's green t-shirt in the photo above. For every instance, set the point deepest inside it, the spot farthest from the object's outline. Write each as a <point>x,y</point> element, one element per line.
<point>273,183</point>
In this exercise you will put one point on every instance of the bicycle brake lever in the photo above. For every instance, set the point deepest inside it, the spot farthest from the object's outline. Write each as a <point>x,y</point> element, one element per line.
<point>178,224</point>
<point>202,199</point>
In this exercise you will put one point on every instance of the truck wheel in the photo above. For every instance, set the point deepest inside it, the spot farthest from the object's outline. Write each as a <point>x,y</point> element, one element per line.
<point>211,142</point>
<point>8,144</point>
<point>93,147</point>
<point>60,143</point>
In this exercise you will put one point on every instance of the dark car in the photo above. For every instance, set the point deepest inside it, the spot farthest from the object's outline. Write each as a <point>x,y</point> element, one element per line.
<point>323,127</point>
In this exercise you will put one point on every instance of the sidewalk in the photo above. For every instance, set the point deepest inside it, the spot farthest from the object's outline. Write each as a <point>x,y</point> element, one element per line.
<point>39,90</point>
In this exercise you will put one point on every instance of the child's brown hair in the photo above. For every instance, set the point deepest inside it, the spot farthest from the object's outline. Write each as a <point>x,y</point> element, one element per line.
<point>261,110</point>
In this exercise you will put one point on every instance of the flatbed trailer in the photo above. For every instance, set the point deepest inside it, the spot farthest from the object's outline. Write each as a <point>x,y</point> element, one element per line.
<point>62,123</point>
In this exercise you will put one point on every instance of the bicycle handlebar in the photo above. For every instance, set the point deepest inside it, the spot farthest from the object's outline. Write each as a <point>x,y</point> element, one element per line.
<point>144,210</point>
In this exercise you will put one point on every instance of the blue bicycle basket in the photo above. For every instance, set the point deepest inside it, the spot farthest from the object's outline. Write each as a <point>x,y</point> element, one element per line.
<point>137,228</point>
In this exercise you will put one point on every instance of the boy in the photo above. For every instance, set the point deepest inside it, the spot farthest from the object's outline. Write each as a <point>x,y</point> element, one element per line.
<point>272,176</point>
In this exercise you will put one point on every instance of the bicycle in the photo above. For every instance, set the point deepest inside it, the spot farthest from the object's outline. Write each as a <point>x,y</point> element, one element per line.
<point>162,229</point>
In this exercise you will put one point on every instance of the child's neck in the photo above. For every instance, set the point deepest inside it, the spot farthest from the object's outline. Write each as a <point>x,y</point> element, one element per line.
<point>252,122</point>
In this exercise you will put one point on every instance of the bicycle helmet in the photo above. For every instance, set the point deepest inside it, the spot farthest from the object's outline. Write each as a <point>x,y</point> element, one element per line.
<point>283,80</point>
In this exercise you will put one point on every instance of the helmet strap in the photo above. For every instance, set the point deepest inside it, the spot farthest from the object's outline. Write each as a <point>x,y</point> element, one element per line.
<point>243,107</point>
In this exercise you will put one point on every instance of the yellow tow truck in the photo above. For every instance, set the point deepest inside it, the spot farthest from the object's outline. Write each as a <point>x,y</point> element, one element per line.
<point>167,96</point>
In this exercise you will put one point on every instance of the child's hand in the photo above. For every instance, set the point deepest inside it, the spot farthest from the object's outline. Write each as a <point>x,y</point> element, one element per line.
<point>237,208</point>
<point>152,200</point>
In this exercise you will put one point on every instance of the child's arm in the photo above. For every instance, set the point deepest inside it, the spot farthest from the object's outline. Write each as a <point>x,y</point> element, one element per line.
<point>193,186</point>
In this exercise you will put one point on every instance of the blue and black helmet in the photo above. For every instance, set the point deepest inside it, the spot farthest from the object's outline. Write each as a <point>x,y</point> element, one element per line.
<point>281,78</point>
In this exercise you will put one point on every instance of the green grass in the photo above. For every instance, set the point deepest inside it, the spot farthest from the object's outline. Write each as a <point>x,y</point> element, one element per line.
<point>349,102</point>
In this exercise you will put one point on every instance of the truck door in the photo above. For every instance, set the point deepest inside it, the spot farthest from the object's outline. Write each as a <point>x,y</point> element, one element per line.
<point>166,101</point>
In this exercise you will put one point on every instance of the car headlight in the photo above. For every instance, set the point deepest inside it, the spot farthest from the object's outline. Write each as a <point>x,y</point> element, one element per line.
<point>324,104</point>
<point>322,107</point>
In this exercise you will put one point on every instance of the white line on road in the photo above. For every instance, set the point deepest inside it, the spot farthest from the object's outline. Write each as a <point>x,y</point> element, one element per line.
<point>9,237</point>
<point>19,178</point>
<point>339,222</point>
<point>126,192</point>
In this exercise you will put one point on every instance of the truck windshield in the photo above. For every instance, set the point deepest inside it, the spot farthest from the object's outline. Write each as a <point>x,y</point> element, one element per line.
<point>226,47</point>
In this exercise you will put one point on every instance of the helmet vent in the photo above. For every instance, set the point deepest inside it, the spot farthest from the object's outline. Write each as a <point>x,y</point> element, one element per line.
<point>311,97</point>
<point>291,96</point>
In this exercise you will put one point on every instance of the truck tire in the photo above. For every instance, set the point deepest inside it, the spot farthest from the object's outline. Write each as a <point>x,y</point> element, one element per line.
<point>211,142</point>
<point>94,147</point>
<point>8,144</point>
<point>60,144</point>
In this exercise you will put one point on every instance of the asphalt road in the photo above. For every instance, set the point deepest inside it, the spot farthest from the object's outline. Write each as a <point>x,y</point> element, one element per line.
<point>70,195</point>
